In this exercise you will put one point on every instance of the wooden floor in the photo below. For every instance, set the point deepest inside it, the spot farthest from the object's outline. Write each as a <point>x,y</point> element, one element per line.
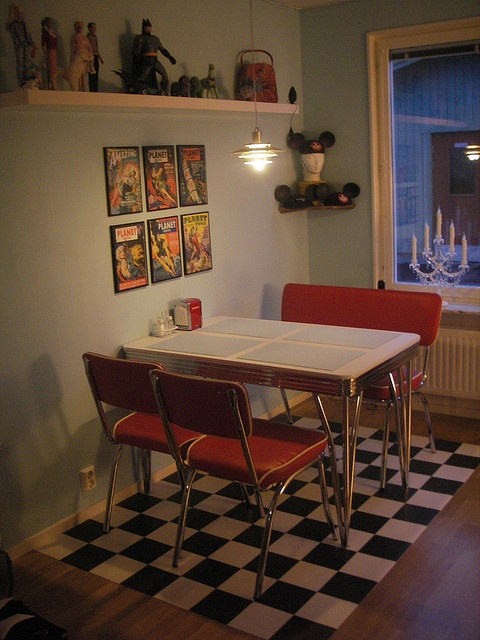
<point>433,592</point>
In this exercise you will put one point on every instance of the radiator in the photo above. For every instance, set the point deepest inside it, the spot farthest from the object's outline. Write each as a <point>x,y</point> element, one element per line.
<point>454,368</point>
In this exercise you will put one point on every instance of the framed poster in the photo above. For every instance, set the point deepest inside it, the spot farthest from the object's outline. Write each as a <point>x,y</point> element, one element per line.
<point>129,258</point>
<point>192,174</point>
<point>197,249</point>
<point>165,259</point>
<point>160,178</point>
<point>123,178</point>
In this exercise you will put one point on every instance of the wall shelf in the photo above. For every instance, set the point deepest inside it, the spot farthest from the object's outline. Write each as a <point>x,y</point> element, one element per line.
<point>317,207</point>
<point>43,99</point>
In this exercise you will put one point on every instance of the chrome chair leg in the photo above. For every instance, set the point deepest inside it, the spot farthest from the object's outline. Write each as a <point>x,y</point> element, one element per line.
<point>287,406</point>
<point>260,505</point>
<point>326,504</point>
<point>111,489</point>
<point>146,462</point>
<point>267,533</point>
<point>337,493</point>
<point>385,442</point>
<point>428,420</point>
<point>188,478</point>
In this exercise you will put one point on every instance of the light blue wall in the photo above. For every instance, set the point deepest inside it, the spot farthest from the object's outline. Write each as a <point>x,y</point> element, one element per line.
<point>56,290</point>
<point>335,88</point>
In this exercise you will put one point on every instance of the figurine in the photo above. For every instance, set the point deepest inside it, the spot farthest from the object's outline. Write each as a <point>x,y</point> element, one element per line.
<point>25,48</point>
<point>146,65</point>
<point>50,49</point>
<point>196,90</point>
<point>35,81</point>
<point>209,83</point>
<point>97,58</point>
<point>181,88</point>
<point>81,59</point>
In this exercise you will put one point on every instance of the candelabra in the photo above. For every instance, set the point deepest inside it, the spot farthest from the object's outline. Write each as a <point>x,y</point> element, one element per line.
<point>440,269</point>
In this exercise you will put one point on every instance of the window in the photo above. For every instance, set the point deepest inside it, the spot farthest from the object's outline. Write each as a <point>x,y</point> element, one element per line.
<point>425,92</point>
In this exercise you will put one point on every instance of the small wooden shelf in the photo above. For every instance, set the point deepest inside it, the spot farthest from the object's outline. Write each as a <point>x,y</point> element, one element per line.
<point>318,207</point>
<point>64,100</point>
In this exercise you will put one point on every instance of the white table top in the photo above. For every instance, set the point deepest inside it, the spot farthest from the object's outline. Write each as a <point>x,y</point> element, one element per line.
<point>273,349</point>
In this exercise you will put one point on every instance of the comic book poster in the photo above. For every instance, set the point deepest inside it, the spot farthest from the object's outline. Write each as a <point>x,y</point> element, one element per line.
<point>192,174</point>
<point>129,256</point>
<point>165,259</point>
<point>197,248</point>
<point>124,182</point>
<point>160,178</point>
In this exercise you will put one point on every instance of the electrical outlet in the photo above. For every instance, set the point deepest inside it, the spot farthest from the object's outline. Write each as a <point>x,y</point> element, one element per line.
<point>87,478</point>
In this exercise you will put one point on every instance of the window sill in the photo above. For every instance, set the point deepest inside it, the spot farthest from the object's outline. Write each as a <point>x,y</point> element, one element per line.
<point>461,316</point>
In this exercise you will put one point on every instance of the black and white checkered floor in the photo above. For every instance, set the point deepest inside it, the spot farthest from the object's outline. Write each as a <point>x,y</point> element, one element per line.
<point>312,584</point>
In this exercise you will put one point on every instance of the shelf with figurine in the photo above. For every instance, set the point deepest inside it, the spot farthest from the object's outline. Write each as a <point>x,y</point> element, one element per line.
<point>314,194</point>
<point>34,98</point>
<point>144,88</point>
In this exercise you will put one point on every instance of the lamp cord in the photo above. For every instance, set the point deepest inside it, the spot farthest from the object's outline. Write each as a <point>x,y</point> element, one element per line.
<point>253,65</point>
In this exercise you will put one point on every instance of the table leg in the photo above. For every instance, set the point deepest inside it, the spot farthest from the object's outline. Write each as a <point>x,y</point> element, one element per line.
<point>406,419</point>
<point>403,412</point>
<point>343,491</point>
<point>399,417</point>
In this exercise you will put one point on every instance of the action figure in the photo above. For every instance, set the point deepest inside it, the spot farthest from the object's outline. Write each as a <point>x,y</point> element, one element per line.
<point>145,62</point>
<point>81,59</point>
<point>25,48</point>
<point>50,49</point>
<point>97,58</point>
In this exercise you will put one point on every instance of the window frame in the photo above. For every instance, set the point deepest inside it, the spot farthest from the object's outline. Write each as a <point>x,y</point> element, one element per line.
<point>379,45</point>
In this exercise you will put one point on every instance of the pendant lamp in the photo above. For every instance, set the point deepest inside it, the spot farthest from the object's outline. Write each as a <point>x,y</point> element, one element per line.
<point>256,153</point>
<point>473,152</point>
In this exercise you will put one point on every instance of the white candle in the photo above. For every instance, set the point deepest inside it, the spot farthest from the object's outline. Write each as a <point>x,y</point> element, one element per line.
<point>427,239</point>
<point>452,237</point>
<point>414,249</point>
<point>464,251</point>
<point>439,224</point>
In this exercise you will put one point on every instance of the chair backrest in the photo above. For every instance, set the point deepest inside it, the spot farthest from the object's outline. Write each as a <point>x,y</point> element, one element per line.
<point>405,311</point>
<point>121,383</point>
<point>211,408</point>
<point>201,404</point>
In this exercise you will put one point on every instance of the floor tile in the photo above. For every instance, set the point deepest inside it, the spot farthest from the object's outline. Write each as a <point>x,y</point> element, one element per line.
<point>327,610</point>
<point>184,593</point>
<point>368,566</point>
<point>118,568</point>
<point>260,620</point>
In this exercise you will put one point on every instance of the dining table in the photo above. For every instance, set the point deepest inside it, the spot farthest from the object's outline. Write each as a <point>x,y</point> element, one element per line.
<point>319,359</point>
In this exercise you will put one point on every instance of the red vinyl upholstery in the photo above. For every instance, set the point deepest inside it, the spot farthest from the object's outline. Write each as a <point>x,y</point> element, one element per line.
<point>261,454</point>
<point>380,390</point>
<point>405,311</point>
<point>125,384</point>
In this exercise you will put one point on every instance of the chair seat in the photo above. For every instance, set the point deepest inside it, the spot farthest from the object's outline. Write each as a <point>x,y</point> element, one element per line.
<point>147,432</point>
<point>380,390</point>
<point>278,451</point>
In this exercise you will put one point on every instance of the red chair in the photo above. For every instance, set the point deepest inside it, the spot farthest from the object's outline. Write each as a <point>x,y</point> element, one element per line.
<point>125,384</point>
<point>261,454</point>
<point>405,311</point>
